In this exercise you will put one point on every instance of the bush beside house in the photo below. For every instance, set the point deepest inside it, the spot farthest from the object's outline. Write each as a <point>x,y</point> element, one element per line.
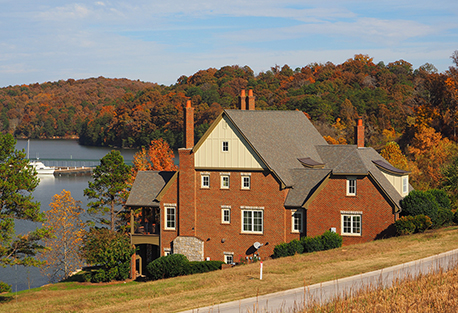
<point>329,240</point>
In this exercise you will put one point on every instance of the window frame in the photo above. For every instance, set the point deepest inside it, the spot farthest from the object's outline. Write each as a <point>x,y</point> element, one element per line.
<point>223,210</point>
<point>202,180</point>
<point>222,179</point>
<point>250,228</point>
<point>351,184</point>
<point>353,223</point>
<point>166,217</point>
<point>228,255</point>
<point>225,146</point>
<point>405,185</point>
<point>243,177</point>
<point>293,221</point>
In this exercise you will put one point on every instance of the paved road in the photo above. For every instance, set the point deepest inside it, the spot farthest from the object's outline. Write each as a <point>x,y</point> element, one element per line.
<point>289,300</point>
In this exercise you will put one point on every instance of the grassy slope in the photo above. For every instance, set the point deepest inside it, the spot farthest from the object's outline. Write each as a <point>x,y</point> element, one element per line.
<point>240,282</point>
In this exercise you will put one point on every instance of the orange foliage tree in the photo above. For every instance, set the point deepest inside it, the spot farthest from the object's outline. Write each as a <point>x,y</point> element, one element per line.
<point>64,222</point>
<point>158,157</point>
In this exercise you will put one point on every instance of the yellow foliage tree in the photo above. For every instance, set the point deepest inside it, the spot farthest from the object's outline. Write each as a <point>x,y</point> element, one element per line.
<point>393,154</point>
<point>61,256</point>
<point>158,157</point>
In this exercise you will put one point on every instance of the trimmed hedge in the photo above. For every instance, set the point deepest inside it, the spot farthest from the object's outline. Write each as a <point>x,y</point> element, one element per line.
<point>441,197</point>
<point>329,240</point>
<point>418,202</point>
<point>444,217</point>
<point>174,265</point>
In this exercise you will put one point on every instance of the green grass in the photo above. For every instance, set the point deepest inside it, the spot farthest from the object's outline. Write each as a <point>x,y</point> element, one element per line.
<point>181,293</point>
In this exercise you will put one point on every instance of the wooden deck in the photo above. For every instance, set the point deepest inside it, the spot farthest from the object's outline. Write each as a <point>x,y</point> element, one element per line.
<point>73,171</point>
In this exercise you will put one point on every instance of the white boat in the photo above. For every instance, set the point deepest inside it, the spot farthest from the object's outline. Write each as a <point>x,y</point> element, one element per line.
<point>41,168</point>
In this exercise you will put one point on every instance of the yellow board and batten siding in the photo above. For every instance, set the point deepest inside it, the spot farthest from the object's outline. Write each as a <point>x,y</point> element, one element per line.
<point>240,155</point>
<point>395,180</point>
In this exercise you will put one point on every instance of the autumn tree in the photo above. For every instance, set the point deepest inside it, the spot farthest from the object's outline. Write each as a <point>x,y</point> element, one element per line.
<point>64,222</point>
<point>450,180</point>
<point>393,154</point>
<point>17,182</point>
<point>158,157</point>
<point>108,188</point>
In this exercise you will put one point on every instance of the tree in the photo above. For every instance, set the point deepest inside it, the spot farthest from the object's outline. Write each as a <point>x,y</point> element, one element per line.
<point>450,180</point>
<point>109,187</point>
<point>17,181</point>
<point>110,250</point>
<point>392,153</point>
<point>159,157</point>
<point>63,221</point>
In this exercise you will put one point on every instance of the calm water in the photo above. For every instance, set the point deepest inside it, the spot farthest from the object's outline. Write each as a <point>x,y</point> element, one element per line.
<point>54,153</point>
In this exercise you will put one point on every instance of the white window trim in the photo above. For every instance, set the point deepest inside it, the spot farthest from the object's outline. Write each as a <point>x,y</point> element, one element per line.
<point>167,251</point>
<point>243,176</point>
<point>405,183</point>
<point>222,176</point>
<point>225,143</point>
<point>226,254</point>
<point>352,194</point>
<point>166,207</point>
<point>252,210</point>
<point>301,212</point>
<point>202,185</point>
<point>351,214</point>
<point>223,209</point>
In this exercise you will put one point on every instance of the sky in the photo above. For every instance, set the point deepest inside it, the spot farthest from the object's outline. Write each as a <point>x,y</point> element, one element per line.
<point>159,41</point>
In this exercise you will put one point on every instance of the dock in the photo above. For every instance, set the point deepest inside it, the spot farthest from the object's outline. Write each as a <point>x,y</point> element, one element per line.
<point>73,171</point>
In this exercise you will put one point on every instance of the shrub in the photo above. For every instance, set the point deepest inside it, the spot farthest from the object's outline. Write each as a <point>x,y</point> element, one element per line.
<point>4,287</point>
<point>405,225</point>
<point>168,266</point>
<point>295,246</point>
<point>331,240</point>
<point>444,217</point>
<point>422,223</point>
<point>281,250</point>
<point>455,217</point>
<point>312,244</point>
<point>205,266</point>
<point>98,276</point>
<point>441,198</point>
<point>419,202</point>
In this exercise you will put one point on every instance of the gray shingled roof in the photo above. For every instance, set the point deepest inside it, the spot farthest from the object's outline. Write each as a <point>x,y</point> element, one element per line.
<point>147,185</point>
<point>280,137</point>
<point>306,181</point>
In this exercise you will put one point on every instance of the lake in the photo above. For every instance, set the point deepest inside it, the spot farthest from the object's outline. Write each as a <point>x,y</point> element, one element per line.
<point>54,153</point>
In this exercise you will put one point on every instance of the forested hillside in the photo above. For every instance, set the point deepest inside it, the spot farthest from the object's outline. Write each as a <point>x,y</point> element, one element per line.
<point>396,102</point>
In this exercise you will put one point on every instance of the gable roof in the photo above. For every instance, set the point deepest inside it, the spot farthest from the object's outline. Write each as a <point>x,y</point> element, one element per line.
<point>279,138</point>
<point>147,187</point>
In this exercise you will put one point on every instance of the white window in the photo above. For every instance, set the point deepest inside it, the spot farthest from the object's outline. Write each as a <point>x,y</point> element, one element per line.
<point>226,214</point>
<point>252,221</point>
<point>246,181</point>
<point>170,217</point>
<point>225,146</point>
<point>405,185</point>
<point>228,258</point>
<point>167,251</point>
<point>351,186</point>
<point>205,181</point>
<point>351,223</point>
<point>297,221</point>
<point>224,181</point>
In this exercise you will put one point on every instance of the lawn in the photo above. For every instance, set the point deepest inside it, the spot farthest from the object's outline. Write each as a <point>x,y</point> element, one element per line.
<point>181,293</point>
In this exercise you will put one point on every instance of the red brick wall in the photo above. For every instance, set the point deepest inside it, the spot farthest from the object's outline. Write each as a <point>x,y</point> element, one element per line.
<point>324,211</point>
<point>167,236</point>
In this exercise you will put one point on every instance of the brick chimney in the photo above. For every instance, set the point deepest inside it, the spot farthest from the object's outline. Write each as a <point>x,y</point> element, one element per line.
<point>359,133</point>
<point>250,100</point>
<point>187,178</point>
<point>188,125</point>
<point>242,100</point>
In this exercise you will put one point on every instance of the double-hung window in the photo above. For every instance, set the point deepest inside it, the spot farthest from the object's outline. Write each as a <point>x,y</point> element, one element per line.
<point>225,214</point>
<point>229,257</point>
<point>225,146</point>
<point>225,181</point>
<point>405,185</point>
<point>246,181</point>
<point>170,217</point>
<point>205,180</point>
<point>252,220</point>
<point>351,186</point>
<point>351,223</point>
<point>297,221</point>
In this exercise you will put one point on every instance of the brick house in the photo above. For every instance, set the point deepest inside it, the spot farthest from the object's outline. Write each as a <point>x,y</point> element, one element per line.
<point>263,177</point>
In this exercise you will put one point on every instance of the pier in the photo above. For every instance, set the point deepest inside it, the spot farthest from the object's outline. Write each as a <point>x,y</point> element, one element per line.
<point>73,171</point>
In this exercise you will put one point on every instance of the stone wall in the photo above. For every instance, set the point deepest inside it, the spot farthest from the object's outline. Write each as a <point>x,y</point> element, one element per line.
<point>191,247</point>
